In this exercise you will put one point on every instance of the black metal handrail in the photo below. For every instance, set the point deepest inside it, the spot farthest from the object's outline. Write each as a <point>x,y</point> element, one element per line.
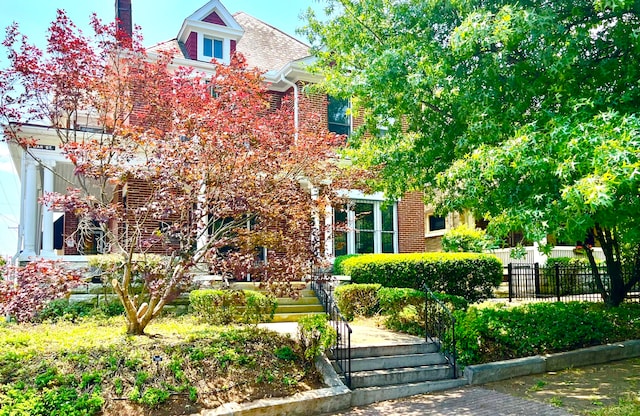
<point>322,285</point>
<point>440,327</point>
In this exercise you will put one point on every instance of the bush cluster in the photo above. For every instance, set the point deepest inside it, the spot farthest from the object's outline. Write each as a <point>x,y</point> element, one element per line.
<point>315,335</point>
<point>471,276</point>
<point>225,306</point>
<point>498,332</point>
<point>466,239</point>
<point>402,308</point>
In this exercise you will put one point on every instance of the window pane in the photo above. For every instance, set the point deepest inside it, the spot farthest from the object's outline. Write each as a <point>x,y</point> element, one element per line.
<point>217,49</point>
<point>387,218</point>
<point>208,47</point>
<point>337,116</point>
<point>436,223</point>
<point>340,243</point>
<point>364,242</point>
<point>387,243</point>
<point>364,216</point>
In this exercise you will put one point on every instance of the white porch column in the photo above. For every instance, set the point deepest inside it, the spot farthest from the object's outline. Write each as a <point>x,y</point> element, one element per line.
<point>30,208</point>
<point>328,232</point>
<point>47,214</point>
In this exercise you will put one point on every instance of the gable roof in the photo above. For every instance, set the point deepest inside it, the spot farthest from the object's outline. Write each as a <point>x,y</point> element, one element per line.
<point>266,47</point>
<point>212,18</point>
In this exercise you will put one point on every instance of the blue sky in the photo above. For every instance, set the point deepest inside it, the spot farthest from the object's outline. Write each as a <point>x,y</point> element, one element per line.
<point>160,20</point>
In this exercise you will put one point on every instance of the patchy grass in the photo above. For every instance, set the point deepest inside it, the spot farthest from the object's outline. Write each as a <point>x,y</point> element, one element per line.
<point>182,365</point>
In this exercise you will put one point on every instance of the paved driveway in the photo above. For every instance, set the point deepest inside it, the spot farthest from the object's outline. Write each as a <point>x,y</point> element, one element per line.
<point>468,401</point>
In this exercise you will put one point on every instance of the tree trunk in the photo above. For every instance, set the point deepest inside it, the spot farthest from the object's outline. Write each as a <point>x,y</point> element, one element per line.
<point>611,250</point>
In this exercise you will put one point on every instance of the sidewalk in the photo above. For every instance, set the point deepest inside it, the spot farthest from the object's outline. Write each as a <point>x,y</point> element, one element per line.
<point>468,401</point>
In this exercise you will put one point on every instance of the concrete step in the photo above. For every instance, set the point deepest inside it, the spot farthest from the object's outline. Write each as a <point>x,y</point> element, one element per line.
<point>309,300</point>
<point>368,395</point>
<point>293,317</point>
<point>406,375</point>
<point>398,349</point>
<point>305,307</point>
<point>396,361</point>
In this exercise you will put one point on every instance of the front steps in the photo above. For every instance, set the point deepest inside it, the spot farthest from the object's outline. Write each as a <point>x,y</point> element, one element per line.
<point>289,310</point>
<point>390,372</point>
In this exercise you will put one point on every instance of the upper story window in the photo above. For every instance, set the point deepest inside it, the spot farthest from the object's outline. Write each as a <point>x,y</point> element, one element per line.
<point>213,48</point>
<point>338,116</point>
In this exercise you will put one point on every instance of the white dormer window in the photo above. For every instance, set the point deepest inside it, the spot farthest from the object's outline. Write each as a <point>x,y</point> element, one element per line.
<point>213,48</point>
<point>210,33</point>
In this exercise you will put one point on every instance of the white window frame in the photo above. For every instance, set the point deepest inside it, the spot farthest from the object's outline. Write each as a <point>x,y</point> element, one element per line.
<point>226,48</point>
<point>351,227</point>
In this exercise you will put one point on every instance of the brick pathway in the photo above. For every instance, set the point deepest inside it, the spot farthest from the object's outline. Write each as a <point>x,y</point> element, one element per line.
<point>468,401</point>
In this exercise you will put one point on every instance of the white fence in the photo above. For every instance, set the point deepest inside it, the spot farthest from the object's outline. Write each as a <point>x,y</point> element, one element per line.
<point>532,255</point>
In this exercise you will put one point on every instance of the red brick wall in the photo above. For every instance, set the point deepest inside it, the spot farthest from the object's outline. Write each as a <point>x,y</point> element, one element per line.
<point>124,15</point>
<point>214,18</point>
<point>70,226</point>
<point>191,45</point>
<point>411,223</point>
<point>232,47</point>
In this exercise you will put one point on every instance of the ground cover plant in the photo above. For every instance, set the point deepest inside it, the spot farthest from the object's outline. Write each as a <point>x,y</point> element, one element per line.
<point>183,365</point>
<point>492,332</point>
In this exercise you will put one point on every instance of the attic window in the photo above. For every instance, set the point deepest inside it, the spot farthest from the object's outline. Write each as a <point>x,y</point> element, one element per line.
<point>212,48</point>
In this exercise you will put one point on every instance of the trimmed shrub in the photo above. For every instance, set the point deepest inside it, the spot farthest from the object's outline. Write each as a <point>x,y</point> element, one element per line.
<point>357,299</point>
<point>222,307</point>
<point>466,239</point>
<point>315,334</point>
<point>337,263</point>
<point>498,332</point>
<point>472,276</point>
<point>405,308</point>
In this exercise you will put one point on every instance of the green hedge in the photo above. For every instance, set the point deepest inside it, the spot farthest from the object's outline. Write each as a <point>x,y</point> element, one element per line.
<point>471,276</point>
<point>223,307</point>
<point>337,263</point>
<point>357,300</point>
<point>403,309</point>
<point>498,332</point>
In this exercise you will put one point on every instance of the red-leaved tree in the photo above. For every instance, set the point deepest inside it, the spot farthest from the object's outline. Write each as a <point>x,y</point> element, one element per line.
<point>201,169</point>
<point>26,290</point>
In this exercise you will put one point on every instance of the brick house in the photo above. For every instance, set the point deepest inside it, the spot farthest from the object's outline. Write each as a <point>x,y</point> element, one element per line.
<point>212,32</point>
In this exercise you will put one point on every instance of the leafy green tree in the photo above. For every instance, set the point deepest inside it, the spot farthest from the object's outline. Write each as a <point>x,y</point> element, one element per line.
<point>525,113</point>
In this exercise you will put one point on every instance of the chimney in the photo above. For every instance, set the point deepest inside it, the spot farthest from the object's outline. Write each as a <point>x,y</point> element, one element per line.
<point>124,18</point>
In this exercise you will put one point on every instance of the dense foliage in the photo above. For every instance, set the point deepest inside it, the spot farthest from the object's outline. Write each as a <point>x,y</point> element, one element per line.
<point>89,366</point>
<point>402,309</point>
<point>316,335</point>
<point>26,290</point>
<point>466,239</point>
<point>523,112</point>
<point>471,276</point>
<point>498,332</point>
<point>225,306</point>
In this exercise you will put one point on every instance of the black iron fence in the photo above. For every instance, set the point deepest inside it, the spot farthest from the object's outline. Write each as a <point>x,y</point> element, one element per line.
<point>561,282</point>
<point>440,328</point>
<point>323,285</point>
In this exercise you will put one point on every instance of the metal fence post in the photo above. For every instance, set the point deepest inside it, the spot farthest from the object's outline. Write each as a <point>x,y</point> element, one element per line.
<point>510,280</point>
<point>557,267</point>
<point>536,271</point>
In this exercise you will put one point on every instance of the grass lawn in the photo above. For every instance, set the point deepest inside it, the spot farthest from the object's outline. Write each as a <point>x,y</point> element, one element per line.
<point>180,367</point>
